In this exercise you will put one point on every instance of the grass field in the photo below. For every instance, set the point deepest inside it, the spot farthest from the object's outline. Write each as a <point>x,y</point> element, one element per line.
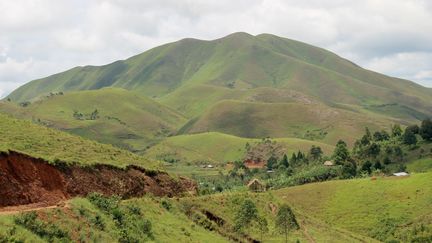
<point>79,224</point>
<point>420,165</point>
<point>380,208</point>
<point>219,148</point>
<point>277,120</point>
<point>358,210</point>
<point>53,145</point>
<point>124,118</point>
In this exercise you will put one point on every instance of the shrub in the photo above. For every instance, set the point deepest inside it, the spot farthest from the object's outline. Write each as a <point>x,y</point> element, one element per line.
<point>106,204</point>
<point>166,204</point>
<point>44,230</point>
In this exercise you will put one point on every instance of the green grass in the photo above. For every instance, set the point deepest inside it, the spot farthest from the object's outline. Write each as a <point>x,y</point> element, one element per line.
<point>79,222</point>
<point>218,148</point>
<point>243,85</point>
<point>53,145</point>
<point>125,118</point>
<point>277,120</point>
<point>420,165</point>
<point>226,205</point>
<point>364,206</point>
<point>247,62</point>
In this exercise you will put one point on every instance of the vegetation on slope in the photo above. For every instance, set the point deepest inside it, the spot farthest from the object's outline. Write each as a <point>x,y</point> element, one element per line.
<point>217,148</point>
<point>123,118</point>
<point>239,61</point>
<point>102,219</point>
<point>385,208</point>
<point>52,145</point>
<point>306,121</point>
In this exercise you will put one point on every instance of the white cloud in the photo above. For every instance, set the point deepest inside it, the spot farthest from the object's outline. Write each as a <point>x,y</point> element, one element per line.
<point>41,37</point>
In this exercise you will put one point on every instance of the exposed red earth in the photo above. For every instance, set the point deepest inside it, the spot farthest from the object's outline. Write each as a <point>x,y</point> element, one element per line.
<point>27,180</point>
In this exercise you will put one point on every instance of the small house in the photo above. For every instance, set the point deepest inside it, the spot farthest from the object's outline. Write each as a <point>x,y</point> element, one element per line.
<point>256,186</point>
<point>328,163</point>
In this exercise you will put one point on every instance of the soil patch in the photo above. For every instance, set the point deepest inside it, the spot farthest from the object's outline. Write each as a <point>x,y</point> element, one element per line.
<point>28,180</point>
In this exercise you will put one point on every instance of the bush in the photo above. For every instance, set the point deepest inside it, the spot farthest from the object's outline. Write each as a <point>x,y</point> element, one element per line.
<point>106,204</point>
<point>44,230</point>
<point>98,222</point>
<point>166,204</point>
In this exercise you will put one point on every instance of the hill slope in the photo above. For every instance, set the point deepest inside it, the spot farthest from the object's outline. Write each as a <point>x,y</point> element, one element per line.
<point>218,147</point>
<point>243,85</point>
<point>123,118</point>
<point>52,145</point>
<point>240,61</point>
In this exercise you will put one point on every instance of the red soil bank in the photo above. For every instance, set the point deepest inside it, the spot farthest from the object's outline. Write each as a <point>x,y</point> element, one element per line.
<point>25,180</point>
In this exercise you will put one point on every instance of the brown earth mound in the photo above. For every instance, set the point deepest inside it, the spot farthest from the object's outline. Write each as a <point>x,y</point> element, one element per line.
<point>26,180</point>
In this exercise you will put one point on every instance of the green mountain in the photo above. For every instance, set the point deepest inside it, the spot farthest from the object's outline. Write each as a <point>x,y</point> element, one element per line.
<point>243,85</point>
<point>239,61</point>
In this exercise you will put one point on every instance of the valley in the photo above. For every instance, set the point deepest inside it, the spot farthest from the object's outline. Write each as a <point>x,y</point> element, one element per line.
<point>245,138</point>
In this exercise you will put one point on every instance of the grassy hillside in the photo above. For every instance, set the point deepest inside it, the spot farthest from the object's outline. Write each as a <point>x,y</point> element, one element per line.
<point>218,148</point>
<point>124,118</point>
<point>143,219</point>
<point>307,121</point>
<point>53,145</point>
<point>158,220</point>
<point>385,208</point>
<point>240,61</point>
<point>242,85</point>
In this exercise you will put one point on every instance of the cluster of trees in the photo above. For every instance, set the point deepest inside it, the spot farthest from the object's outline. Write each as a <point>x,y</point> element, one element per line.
<point>315,154</point>
<point>382,151</point>
<point>92,116</point>
<point>248,215</point>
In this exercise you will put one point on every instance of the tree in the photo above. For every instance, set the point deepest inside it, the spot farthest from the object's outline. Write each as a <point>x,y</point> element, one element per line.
<point>368,133</point>
<point>94,115</point>
<point>262,226</point>
<point>341,153</point>
<point>300,156</point>
<point>373,150</point>
<point>293,158</point>
<point>365,140</point>
<point>284,162</point>
<point>366,167</point>
<point>426,130</point>
<point>381,136</point>
<point>271,162</point>
<point>409,137</point>
<point>316,152</point>
<point>377,165</point>
<point>286,220</point>
<point>413,128</point>
<point>396,130</point>
<point>245,215</point>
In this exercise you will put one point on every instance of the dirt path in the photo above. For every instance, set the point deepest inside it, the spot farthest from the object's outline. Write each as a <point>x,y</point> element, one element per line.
<point>31,207</point>
<point>306,233</point>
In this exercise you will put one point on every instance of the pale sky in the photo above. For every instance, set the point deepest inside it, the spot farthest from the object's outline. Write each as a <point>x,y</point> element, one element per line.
<point>42,37</point>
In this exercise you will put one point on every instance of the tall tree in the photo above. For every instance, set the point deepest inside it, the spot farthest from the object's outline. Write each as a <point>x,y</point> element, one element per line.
<point>396,130</point>
<point>284,162</point>
<point>413,128</point>
<point>271,162</point>
<point>373,150</point>
<point>341,153</point>
<point>426,130</point>
<point>409,137</point>
<point>316,152</point>
<point>245,215</point>
<point>286,220</point>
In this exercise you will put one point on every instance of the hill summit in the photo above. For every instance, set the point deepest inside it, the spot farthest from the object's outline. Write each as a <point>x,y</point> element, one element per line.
<point>251,86</point>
